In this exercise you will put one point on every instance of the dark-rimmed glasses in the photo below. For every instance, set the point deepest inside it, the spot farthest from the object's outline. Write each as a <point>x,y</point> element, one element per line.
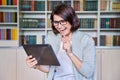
<point>62,22</point>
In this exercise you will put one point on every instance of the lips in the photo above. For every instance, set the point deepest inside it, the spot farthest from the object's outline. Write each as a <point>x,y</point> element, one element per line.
<point>62,30</point>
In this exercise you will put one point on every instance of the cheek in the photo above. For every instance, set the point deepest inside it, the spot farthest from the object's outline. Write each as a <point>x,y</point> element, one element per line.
<point>57,28</point>
<point>69,27</point>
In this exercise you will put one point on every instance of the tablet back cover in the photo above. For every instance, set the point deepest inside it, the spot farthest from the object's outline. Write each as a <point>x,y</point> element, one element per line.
<point>43,53</point>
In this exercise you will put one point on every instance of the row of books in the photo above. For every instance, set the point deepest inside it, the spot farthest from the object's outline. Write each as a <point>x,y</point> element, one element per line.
<point>116,6</point>
<point>52,4</point>
<point>88,23</point>
<point>110,40</point>
<point>8,2</point>
<point>33,23</point>
<point>35,39</point>
<point>112,5</point>
<point>32,39</point>
<point>81,5</point>
<point>9,34</point>
<point>32,5</point>
<point>8,17</point>
<point>84,23</point>
<point>110,22</point>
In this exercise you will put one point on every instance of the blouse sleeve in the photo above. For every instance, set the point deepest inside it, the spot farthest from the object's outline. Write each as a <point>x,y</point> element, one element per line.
<point>88,66</point>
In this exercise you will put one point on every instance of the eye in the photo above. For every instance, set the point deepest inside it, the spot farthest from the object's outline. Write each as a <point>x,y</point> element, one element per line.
<point>62,21</point>
<point>55,22</point>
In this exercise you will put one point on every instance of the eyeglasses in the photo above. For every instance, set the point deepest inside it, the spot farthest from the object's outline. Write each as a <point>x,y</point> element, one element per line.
<point>62,22</point>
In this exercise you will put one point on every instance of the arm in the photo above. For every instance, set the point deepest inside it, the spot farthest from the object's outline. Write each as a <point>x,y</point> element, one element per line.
<point>89,56</point>
<point>86,65</point>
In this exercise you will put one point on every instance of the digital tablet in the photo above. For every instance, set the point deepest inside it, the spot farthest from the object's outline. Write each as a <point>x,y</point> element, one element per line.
<point>43,53</point>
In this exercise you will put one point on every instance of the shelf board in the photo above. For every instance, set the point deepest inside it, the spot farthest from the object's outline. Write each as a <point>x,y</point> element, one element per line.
<point>88,29</point>
<point>8,6</point>
<point>31,29</point>
<point>108,47</point>
<point>110,29</point>
<point>5,25</point>
<point>32,12</point>
<point>106,12</point>
<point>87,12</point>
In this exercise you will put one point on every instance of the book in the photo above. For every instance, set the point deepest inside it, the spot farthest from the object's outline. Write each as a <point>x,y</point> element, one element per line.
<point>14,32</point>
<point>39,5</point>
<point>76,5</point>
<point>103,5</point>
<point>4,2</point>
<point>102,40</point>
<point>15,2</point>
<point>32,5</point>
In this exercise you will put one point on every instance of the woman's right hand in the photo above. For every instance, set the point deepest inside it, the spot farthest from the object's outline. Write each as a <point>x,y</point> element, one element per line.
<point>31,62</point>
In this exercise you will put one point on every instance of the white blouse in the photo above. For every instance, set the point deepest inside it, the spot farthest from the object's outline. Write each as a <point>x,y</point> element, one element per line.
<point>65,70</point>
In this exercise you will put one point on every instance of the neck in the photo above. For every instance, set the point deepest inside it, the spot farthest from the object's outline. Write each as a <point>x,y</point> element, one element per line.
<point>69,35</point>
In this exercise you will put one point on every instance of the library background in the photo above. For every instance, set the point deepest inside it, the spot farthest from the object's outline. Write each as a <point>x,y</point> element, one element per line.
<point>28,21</point>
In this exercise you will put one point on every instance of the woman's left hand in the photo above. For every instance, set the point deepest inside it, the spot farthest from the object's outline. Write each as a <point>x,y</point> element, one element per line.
<point>67,44</point>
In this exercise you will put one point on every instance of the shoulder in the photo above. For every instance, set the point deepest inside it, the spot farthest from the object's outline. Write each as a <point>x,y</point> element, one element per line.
<point>83,37</point>
<point>51,37</point>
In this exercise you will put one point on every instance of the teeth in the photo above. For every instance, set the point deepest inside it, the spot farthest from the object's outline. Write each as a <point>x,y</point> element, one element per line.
<point>63,29</point>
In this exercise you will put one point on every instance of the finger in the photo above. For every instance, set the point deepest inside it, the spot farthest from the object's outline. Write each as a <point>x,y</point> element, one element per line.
<point>29,57</point>
<point>31,60</point>
<point>33,63</point>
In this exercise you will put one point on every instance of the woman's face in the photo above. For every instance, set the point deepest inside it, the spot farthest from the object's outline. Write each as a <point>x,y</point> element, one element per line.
<point>64,27</point>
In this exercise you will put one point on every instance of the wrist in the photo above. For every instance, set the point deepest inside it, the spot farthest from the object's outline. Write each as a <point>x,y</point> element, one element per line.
<point>70,54</point>
<point>36,67</point>
<point>69,51</point>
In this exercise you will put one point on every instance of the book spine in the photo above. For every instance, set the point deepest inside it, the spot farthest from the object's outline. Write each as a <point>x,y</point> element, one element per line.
<point>1,16</point>
<point>107,22</point>
<point>15,2</point>
<point>43,39</point>
<point>32,39</point>
<point>8,34</point>
<point>14,34</point>
<point>5,34</point>
<point>109,40</point>
<point>0,2</point>
<point>102,40</point>
<point>4,2</point>
<point>32,5</point>
<point>0,34</point>
<point>76,5</point>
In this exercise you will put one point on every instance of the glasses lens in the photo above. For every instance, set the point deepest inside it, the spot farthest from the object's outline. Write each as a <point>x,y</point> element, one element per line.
<point>55,23</point>
<point>62,22</point>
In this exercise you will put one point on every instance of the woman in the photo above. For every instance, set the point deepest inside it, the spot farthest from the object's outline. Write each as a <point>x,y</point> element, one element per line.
<point>74,49</point>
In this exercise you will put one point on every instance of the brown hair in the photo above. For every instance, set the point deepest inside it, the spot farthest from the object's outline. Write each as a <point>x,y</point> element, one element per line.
<point>68,14</point>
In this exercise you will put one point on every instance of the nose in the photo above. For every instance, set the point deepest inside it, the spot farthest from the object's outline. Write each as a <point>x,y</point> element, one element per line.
<point>59,25</point>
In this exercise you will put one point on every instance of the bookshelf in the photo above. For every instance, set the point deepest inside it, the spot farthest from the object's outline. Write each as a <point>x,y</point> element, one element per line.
<point>9,23</point>
<point>32,21</point>
<point>109,23</point>
<point>99,18</point>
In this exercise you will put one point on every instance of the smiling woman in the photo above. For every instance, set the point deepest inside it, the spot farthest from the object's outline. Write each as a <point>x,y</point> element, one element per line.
<point>74,49</point>
<point>66,13</point>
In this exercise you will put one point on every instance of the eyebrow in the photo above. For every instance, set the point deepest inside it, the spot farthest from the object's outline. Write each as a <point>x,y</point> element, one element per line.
<point>59,20</point>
